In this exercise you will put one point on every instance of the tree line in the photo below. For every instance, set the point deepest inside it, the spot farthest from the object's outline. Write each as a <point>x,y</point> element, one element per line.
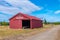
<point>4,23</point>
<point>45,22</point>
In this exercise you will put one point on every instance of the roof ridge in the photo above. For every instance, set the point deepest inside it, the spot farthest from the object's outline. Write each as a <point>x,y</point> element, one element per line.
<point>26,15</point>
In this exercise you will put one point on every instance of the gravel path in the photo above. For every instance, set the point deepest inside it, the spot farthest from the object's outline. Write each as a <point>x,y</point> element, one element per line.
<point>51,34</point>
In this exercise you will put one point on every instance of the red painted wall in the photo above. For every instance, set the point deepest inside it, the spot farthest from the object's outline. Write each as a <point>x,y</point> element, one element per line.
<point>36,24</point>
<point>16,24</point>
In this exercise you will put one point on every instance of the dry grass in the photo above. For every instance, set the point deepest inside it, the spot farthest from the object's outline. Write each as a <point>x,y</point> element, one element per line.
<point>5,31</point>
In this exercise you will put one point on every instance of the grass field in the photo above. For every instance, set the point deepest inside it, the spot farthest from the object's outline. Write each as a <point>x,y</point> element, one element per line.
<point>6,31</point>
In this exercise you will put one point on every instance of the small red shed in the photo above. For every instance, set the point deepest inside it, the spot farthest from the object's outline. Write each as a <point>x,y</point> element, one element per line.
<point>21,20</point>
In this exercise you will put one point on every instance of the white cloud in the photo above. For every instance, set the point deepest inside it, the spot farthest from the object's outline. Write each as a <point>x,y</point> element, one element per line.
<point>25,5</point>
<point>57,12</point>
<point>9,10</point>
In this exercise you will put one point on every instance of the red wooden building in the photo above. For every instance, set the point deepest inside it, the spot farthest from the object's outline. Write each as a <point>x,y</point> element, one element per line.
<point>20,21</point>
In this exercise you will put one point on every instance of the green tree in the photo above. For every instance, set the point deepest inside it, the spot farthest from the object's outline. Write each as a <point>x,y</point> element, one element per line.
<point>45,21</point>
<point>4,23</point>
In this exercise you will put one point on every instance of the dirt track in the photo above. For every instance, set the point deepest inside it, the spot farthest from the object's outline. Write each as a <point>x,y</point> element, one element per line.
<point>52,34</point>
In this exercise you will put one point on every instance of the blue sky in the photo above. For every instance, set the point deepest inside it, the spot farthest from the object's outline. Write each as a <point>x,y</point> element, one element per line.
<point>44,9</point>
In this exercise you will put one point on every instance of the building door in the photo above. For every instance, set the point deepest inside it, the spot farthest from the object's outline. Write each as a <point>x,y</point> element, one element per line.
<point>26,24</point>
